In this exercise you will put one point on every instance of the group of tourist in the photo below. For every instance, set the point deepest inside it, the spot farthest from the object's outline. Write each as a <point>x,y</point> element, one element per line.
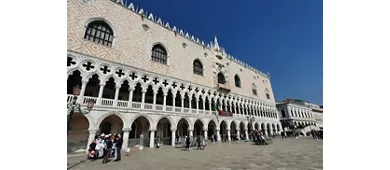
<point>188,141</point>
<point>289,134</point>
<point>107,146</point>
<point>258,138</point>
<point>316,134</point>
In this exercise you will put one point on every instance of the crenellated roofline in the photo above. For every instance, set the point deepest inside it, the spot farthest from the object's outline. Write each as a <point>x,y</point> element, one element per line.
<point>210,46</point>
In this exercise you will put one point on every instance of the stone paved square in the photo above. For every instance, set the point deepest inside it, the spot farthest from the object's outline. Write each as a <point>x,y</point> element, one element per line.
<point>301,153</point>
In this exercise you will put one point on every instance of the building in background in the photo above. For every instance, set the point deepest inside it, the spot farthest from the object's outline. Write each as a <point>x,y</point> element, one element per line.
<point>150,78</point>
<point>295,113</point>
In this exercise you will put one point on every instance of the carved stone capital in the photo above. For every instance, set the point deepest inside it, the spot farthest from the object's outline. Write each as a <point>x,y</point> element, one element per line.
<point>126,129</point>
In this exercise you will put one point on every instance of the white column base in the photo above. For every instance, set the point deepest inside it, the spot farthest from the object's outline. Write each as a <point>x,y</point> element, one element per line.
<point>173,137</point>
<point>151,144</point>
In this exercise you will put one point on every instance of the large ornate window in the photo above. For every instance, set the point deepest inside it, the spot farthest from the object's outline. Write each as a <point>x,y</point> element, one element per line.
<point>254,89</point>
<point>99,32</point>
<point>221,78</point>
<point>159,54</point>
<point>198,67</point>
<point>267,94</point>
<point>237,81</point>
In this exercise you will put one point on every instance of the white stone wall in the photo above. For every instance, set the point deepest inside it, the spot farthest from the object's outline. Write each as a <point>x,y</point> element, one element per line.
<point>132,46</point>
<point>318,116</point>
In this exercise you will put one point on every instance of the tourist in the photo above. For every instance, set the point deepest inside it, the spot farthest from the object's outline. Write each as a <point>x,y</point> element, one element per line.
<point>109,143</point>
<point>187,143</point>
<point>204,144</point>
<point>198,142</point>
<point>118,144</point>
<point>92,150</point>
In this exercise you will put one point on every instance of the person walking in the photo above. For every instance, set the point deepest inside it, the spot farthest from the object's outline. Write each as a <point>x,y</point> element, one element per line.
<point>118,144</point>
<point>108,149</point>
<point>187,143</point>
<point>198,142</point>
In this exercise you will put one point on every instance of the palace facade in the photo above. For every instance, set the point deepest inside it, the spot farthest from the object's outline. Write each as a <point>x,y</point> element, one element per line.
<point>149,77</point>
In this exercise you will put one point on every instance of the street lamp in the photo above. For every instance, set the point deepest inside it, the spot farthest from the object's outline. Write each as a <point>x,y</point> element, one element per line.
<point>73,106</point>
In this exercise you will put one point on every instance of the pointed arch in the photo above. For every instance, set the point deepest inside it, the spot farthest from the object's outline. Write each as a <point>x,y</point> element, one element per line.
<point>120,115</point>
<point>99,30</point>
<point>237,81</point>
<point>159,54</point>
<point>197,67</point>
<point>190,125</point>
<point>221,78</point>
<point>169,119</point>
<point>151,123</point>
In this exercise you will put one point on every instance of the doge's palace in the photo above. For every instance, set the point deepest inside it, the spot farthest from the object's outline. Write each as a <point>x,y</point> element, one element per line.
<point>150,78</point>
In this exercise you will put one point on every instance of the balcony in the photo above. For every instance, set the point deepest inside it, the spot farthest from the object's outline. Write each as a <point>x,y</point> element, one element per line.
<point>121,104</point>
<point>224,86</point>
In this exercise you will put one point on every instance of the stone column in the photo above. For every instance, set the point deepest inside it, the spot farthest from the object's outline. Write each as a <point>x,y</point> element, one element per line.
<point>266,133</point>
<point>116,95</point>
<point>246,134</point>
<point>154,99</point>
<point>197,105</point>
<point>231,109</point>
<point>173,137</point>
<point>151,144</point>
<point>191,132</point>
<point>182,103</point>
<point>205,134</point>
<point>174,103</point>
<point>204,104</point>
<point>100,94</point>
<point>218,136</point>
<point>131,89</point>
<point>225,103</point>
<point>238,133</point>
<point>91,137</point>
<point>190,103</point>
<point>165,101</point>
<point>235,109</point>
<point>143,98</point>
<point>228,135</point>
<point>125,137</point>
<point>239,109</point>
<point>210,106</point>
<point>82,91</point>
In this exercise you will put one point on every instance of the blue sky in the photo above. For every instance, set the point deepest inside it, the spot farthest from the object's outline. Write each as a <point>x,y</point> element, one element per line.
<point>282,37</point>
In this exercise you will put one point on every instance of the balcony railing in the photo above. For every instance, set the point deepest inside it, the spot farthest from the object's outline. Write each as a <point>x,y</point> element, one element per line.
<point>87,98</point>
<point>107,102</point>
<point>136,105</point>
<point>148,106</point>
<point>159,107</point>
<point>122,103</point>
<point>168,108</point>
<point>70,98</point>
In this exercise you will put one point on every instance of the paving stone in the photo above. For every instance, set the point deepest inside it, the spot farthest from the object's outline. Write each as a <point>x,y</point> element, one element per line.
<point>289,154</point>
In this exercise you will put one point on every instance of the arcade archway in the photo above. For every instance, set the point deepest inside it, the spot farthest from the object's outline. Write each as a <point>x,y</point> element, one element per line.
<point>212,130</point>
<point>163,131</point>
<point>78,134</point>
<point>198,128</point>
<point>182,128</point>
<point>139,127</point>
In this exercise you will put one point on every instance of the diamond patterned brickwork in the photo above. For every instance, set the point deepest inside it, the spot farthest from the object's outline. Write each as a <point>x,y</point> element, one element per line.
<point>132,46</point>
